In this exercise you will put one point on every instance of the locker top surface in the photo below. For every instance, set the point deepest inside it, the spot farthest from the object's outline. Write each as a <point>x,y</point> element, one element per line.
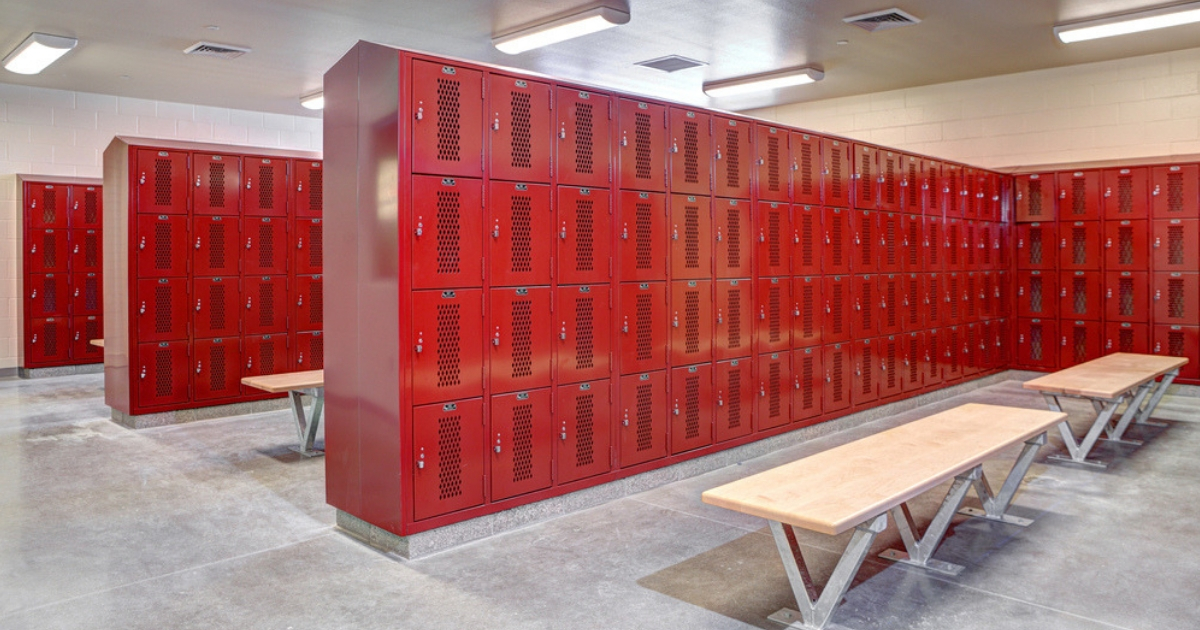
<point>58,181</point>
<point>133,142</point>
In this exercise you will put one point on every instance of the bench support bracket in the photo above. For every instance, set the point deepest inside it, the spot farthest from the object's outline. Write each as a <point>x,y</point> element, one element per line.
<point>995,506</point>
<point>1079,450</point>
<point>920,552</point>
<point>1159,392</point>
<point>306,424</point>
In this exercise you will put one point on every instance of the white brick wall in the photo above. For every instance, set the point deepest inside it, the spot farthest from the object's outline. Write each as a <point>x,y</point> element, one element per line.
<point>61,133</point>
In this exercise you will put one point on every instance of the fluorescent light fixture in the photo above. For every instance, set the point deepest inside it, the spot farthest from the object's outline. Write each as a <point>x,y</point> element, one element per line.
<point>763,82</point>
<point>1163,17</point>
<point>560,29</point>
<point>38,51</point>
<point>316,100</point>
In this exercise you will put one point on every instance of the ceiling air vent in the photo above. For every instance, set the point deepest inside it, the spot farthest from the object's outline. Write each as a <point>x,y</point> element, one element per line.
<point>881,20</point>
<point>671,63</point>
<point>209,49</point>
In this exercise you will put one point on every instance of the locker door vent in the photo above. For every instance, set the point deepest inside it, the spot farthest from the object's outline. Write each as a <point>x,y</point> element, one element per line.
<point>449,363</point>
<point>914,373</point>
<point>316,189</point>
<point>734,228</point>
<point>316,246</point>
<point>934,199</point>
<point>890,362</point>
<point>585,235</point>
<point>952,239</point>
<point>92,330</point>
<point>892,301</point>
<point>1175,298</point>
<point>584,149</point>
<point>837,304</point>
<point>806,248</point>
<point>216,246</point>
<point>49,295</point>
<point>645,323</point>
<point>217,374</point>
<point>1079,246</point>
<point>1124,194</point>
<point>162,373</point>
<point>933,353</point>
<point>216,185</point>
<point>1125,297</point>
<point>645,417</point>
<point>91,207</point>
<point>1125,245</point>
<point>1035,294</point>
<point>914,299</point>
<point>1078,196</point>
<point>1125,340</point>
<point>91,294</point>
<point>691,403</point>
<point>807,382</point>
<point>266,358</point>
<point>316,351</point>
<point>835,169</point>
<point>691,317</point>
<point>266,186</point>
<point>49,206</point>
<point>774,389</point>
<point>868,385</point>
<point>266,304</point>
<point>866,246</point>
<point>933,299</point>
<point>49,250</point>
<point>954,295</point>
<point>1175,345</point>
<point>691,152</point>
<point>914,242</point>
<point>735,398</point>
<point>914,191</point>
<point>1175,202</point>
<point>889,178</point>
<point>50,340</point>
<point>934,238</point>
<point>1079,343</point>
<point>523,443</point>
<point>865,177</point>
<point>774,251</point>
<point>1079,291</point>
<point>316,303</point>
<point>1035,343</point>
<point>952,347</point>
<point>773,183</point>
<point>585,348</point>
<point>1035,197</point>
<point>837,377</point>
<point>775,330</point>
<point>868,310</point>
<point>585,439</point>
<point>809,298</point>
<point>450,457</point>
<point>449,207</point>
<point>522,130</point>
<point>162,246</point>
<point>970,301</point>
<point>735,319</point>
<point>969,242</point>
<point>643,235</point>
<point>521,256</point>
<point>733,158</point>
<point>216,307</point>
<point>522,338</point>
<point>162,309</point>
<point>91,250</point>
<point>835,232</point>
<point>162,182</point>
<point>642,151</point>
<point>985,240</point>
<point>449,120</point>
<point>1036,246</point>
<point>266,246</point>
<point>1175,245</point>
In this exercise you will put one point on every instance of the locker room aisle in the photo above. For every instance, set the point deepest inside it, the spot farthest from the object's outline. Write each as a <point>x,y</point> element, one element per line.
<point>216,524</point>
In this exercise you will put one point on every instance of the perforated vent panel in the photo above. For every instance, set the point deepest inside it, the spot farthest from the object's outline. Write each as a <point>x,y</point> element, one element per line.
<point>91,294</point>
<point>585,427</point>
<point>774,390</point>
<point>449,361</point>
<point>645,417</point>
<point>774,312</point>
<point>266,304</point>
<point>450,457</point>
<point>1125,341</point>
<point>585,235</point>
<point>522,469</point>
<point>50,340</point>
<point>1035,198</point>
<point>216,246</point>
<point>643,235</point>
<point>266,186</point>
<point>162,182</point>
<point>691,152</point>
<point>837,302</point>
<point>1125,296</point>
<point>162,246</point>
<point>1079,344</point>
<point>584,141</point>
<point>522,338</point>
<point>1175,241</point>
<point>1125,193</point>
<point>1079,245</point>
<point>266,245</point>
<point>163,386</point>
<point>774,181</point>
<point>218,376</point>
<point>216,307</point>
<point>49,206</point>
<point>162,309</point>
<point>1036,345</point>
<point>91,250</point>
<point>1175,298</point>
<point>522,129</point>
<point>733,224</point>
<point>216,187</point>
<point>449,248</point>
<point>642,150</point>
<point>1079,295</point>
<point>807,237</point>
<point>1036,246</point>
<point>585,342</point>
<point>867,382</point>
<point>1078,197</point>
<point>691,406</point>
<point>645,324</point>
<point>774,234</point>
<point>449,121</point>
<point>49,295</point>
<point>316,303</point>
<point>316,246</point>
<point>734,334</point>
<point>733,162</point>
<point>1036,296</point>
<point>691,318</point>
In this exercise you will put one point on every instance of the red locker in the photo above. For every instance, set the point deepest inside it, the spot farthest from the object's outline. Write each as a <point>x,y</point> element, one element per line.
<point>806,168</point>
<point>772,172</point>
<point>808,305</point>
<point>308,303</point>
<point>216,368</point>
<point>216,246</point>
<point>310,249</point>
<point>161,374</point>
<point>1035,246</point>
<point>690,151</point>
<point>931,189</point>
<point>836,189</point>
<point>774,390</point>
<point>162,245</point>
<point>447,224</point>
<point>891,176</point>
<point>1036,291</point>
<point>931,358</point>
<point>217,184</point>
<point>953,339</point>
<point>1126,193</point>
<point>912,301</point>
<point>642,147</point>
<point>912,198</point>
<point>1179,341</point>
<point>952,245</point>
<point>583,414</point>
<point>1036,344</point>
<point>87,294</point>
<point>774,243</point>
<point>1081,341</point>
<point>988,192</point>
<point>891,242</point>
<point>735,147</point>
<point>934,299</point>
<point>448,443</point>
<point>262,355</point>
<point>969,240</point>
<point>837,361</point>
<point>48,251</point>
<point>734,319</point>
<point>914,353</point>
<point>265,188</point>
<point>266,299</point>
<point>734,238</point>
<point>691,407</point>
<point>839,309</point>
<point>891,304</point>
<point>521,123</point>
<point>987,244</point>
<point>932,244</point>
<point>643,418</point>
<point>866,177</point>
<point>866,372</point>
<point>807,383</point>
<point>162,182</point>
<point>807,251</point>
<point>217,312</point>
<point>1126,337</point>
<point>47,205</point>
<point>866,257</point>
<point>584,318</point>
<point>49,295</point>
<point>584,154</point>
<point>162,309</point>
<point>642,241</point>
<point>309,351</point>
<point>971,304</point>
<point>522,445</point>
<point>691,322</point>
<point>952,190</point>
<point>912,252</point>
<point>1176,245</point>
<point>1127,296</point>
<point>1004,281</point>
<point>891,365</point>
<point>773,318</point>
<point>308,193</point>
<point>83,330</point>
<point>972,349</point>
<point>87,207</point>
<point>691,237</point>
<point>839,239</point>
<point>49,340</point>
<point>998,343</point>
<point>643,319</point>
<point>447,358</point>
<point>265,250</point>
<point>1080,295</point>
<point>953,285</point>
<point>969,197</point>
<point>733,391</point>
<point>1079,195</point>
<point>989,295</point>
<point>520,338</point>
<point>85,251</point>
<point>520,242</point>
<point>584,241</point>
<point>1175,192</point>
<point>447,123</point>
<point>1126,245</point>
<point>1079,245</point>
<point>1176,298</point>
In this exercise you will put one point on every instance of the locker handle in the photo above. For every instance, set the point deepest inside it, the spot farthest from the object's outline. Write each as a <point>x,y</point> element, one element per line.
<point>1109,294</point>
<point>562,133</point>
<point>720,400</point>
<point>625,232</point>
<point>857,305</point>
<point>828,378</point>
<point>34,340</point>
<point>797,383</point>
<point>718,156</point>
<point>1108,244</point>
<point>76,250</point>
<point>564,436</point>
<point>796,311</point>
<point>300,300</point>
<point>496,127</point>
<point>563,333</point>
<point>1108,192</point>
<point>33,250</point>
<point>1020,338</point>
<point>1157,347</point>
<point>496,448</point>
<point>34,296</point>
<point>625,420</point>
<point>143,374</point>
<point>420,227</point>
<point>719,235</point>
<point>247,183</point>
<point>1062,194</point>
<point>249,362</point>
<point>299,243</point>
<point>248,242</point>
<point>625,327</point>
<point>197,242</point>
<point>496,337</point>
<point>624,143</point>
<point>496,231</point>
<point>142,310</point>
<point>1153,193</point>
<point>420,113</point>
<point>762,391</point>
<point>762,313</point>
<point>828,309</point>
<point>796,238</point>
<point>1020,291</point>
<point>720,317</point>
<point>76,291</point>
<point>248,299</point>
<point>141,180</point>
<point>1108,344</point>
<point>562,233</point>
<point>1063,293</point>
<point>1157,242</point>
<point>1064,341</point>
<point>883,365</point>
<point>1063,245</point>
<point>300,358</point>
<point>761,161</point>
<point>1157,295</point>
<point>76,335</point>
<point>197,305</point>
<point>675,321</point>
<point>142,243</point>
<point>300,186</point>
<point>675,410</point>
<point>198,366</point>
<point>197,181</point>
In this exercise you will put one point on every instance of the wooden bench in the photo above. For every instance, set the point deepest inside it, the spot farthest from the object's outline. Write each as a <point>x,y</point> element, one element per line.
<point>99,343</point>
<point>1107,382</point>
<point>854,486</point>
<point>297,385</point>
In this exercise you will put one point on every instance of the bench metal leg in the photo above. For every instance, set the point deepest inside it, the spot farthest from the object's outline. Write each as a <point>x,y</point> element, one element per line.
<point>1116,432</point>
<point>1079,449</point>
<point>995,507</point>
<point>816,609</point>
<point>306,425</point>
<point>1159,392</point>
<point>920,553</point>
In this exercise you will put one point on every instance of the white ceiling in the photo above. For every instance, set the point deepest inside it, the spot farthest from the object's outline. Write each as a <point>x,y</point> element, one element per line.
<point>133,47</point>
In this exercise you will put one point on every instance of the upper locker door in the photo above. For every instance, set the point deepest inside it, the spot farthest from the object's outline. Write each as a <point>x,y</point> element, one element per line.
<point>772,163</point>
<point>642,146</point>
<point>1175,192</point>
<point>691,237</point>
<point>216,243</point>
<point>308,188</point>
<point>691,322</point>
<point>1079,195</point>
<point>734,319</point>
<point>866,177</point>
<point>835,173</point>
<point>1126,193</point>
<point>891,176</point>
<point>774,242</point>
<point>912,168</point>
<point>308,307</point>
<point>1034,197</point>
<point>584,235</point>
<point>162,182</point>
<point>447,244</point>
<point>46,205</point>
<point>642,236</point>
<point>447,124</point>
<point>265,187</point>
<point>734,142</point>
<point>161,245</point>
<point>310,250</point>
<point>584,328</point>
<point>265,250</point>
<point>807,238</point>
<point>806,168</point>
<point>521,122</point>
<point>584,154</point>
<point>520,242</point>
<point>691,151</point>
<point>520,338</point>
<point>217,181</point>
<point>87,207</point>
<point>734,238</point>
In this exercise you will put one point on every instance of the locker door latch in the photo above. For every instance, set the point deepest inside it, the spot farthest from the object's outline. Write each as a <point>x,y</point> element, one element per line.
<point>197,305</point>
<point>300,300</point>
<point>719,235</point>
<point>1108,244</point>
<point>625,420</point>
<point>247,183</point>
<point>76,335</point>
<point>1153,193</point>
<point>249,239</point>
<point>248,298</point>
<point>496,230</point>
<point>142,309</point>
<point>675,321</point>
<point>675,409</point>
<point>562,334</point>
<point>198,366</point>
<point>1157,243</point>
<point>197,181</point>
<point>496,337</point>
<point>625,326</point>
<point>197,242</point>
<point>720,317</point>
<point>34,339</point>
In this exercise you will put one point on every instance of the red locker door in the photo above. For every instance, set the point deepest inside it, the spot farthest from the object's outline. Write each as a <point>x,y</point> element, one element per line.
<point>1034,197</point>
<point>521,243</point>
<point>774,243</point>
<point>1036,246</point>
<point>891,304</point>
<point>891,365</point>
<point>971,305</point>
<point>265,250</point>
<point>836,173</point>
<point>953,285</point>
<point>584,351</point>
<point>912,253</point>
<point>891,176</point>
<point>161,245</point>
<point>866,177</point>
<point>934,299</point>
<point>1036,293</point>
<point>263,354</point>
<point>642,241</point>
<point>162,311</point>
<point>309,351</point>
<point>1175,191</point>
<point>83,330</point>
<point>217,183</point>
<point>1079,195</point>
<point>583,413</point>
<point>912,302</point>
<point>734,317</point>
<point>161,373</point>
<point>1036,344</point>
<point>49,341</point>
<point>808,305</point>
<point>1081,341</point>
<point>447,221</point>
<point>1177,298</point>
<point>521,443</point>
<point>1127,296</point>
<point>447,358</point>
<point>733,391</point>
<point>87,207</point>
<point>520,339</point>
<point>735,145</point>
<point>584,236</point>
<point>691,322</point>
<point>774,306</point>
<point>774,390</point>
<point>969,193</point>
<point>87,295</point>
<point>806,168</point>
<point>911,197</point>
<point>839,239</point>
<point>866,306</point>
<point>308,192</point>
<point>265,187</point>
<point>734,238</point>
<point>933,244</point>
<point>1176,245</point>
<point>216,368</point>
<point>642,147</point>
<point>447,126</point>
<point>690,151</point>
<point>1126,337</point>
<point>972,349</point>
<point>521,123</point>
<point>952,242</point>
<point>866,258</point>
<point>642,310</point>
<point>691,408</point>
<point>47,205</point>
<point>643,418</point>
<point>772,166</point>
<point>807,236</point>
<point>837,362</point>
<point>1079,246</point>
<point>1126,193</point>
<point>48,251</point>
<point>216,313</point>
<point>952,342</point>
<point>216,246</point>
<point>584,155</point>
<point>691,237</point>
<point>807,384</point>
<point>448,445</point>
<point>1126,245</point>
<point>85,251</point>
<point>266,299</point>
<point>839,309</point>
<point>989,295</point>
<point>914,354</point>
<point>162,182</point>
<point>891,242</point>
<point>1080,295</point>
<point>931,188</point>
<point>309,303</point>
<point>931,359</point>
<point>1179,341</point>
<point>952,189</point>
<point>969,239</point>
<point>866,371</point>
<point>49,295</point>
<point>310,250</point>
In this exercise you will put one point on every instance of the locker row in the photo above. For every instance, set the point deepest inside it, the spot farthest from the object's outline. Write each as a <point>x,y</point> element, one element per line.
<point>172,309</point>
<point>63,295</point>
<point>182,182</point>
<point>175,246</point>
<point>1125,245</point>
<point>53,205</point>
<point>1159,192</point>
<point>60,250</point>
<point>1046,344</point>
<point>63,340</point>
<point>1114,296</point>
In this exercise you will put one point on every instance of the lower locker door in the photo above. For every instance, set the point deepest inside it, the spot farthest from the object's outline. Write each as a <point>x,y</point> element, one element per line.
<point>161,245</point>
<point>866,307</point>
<point>49,341</point>
<point>734,319</point>
<point>216,368</point>
<point>972,354</point>
<point>87,294</point>
<point>953,339</point>
<point>734,392</point>
<point>910,369</point>
<point>931,358</point>
<point>1037,343</point>
<point>1176,298</point>
<point>891,363</point>
<point>162,309</point>
<point>734,238</point>
<point>1126,337</point>
<point>1080,342</point>
<point>912,304</point>
<point>865,384</point>
<point>808,380</point>
<point>84,329</point>
<point>891,302</point>
<point>642,326</point>
<point>49,295</point>
<point>48,251</point>
<point>774,390</point>
<point>1179,341</point>
<point>584,415</point>
<point>310,246</point>
<point>217,308</point>
<point>837,362</point>
<point>807,251</point>
<point>1176,245</point>
<point>216,246</point>
<point>839,309</point>
<point>520,443</point>
<point>309,349</point>
<point>1080,295</point>
<point>520,338</point>
<point>807,308</point>
<point>1037,294</point>
<point>308,303</point>
<point>448,464</point>
<point>85,251</point>
<point>161,374</point>
<point>1127,296</point>
<point>643,418</point>
<point>262,355</point>
<point>584,325</point>
<point>691,322</point>
<point>691,408</point>
<point>265,301</point>
<point>773,317</point>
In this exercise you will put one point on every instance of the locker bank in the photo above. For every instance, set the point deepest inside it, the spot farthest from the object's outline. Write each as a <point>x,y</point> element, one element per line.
<point>574,282</point>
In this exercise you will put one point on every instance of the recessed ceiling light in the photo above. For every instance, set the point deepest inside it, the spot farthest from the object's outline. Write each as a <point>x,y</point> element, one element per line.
<point>1136,22</point>
<point>671,63</point>
<point>316,100</point>
<point>559,29</point>
<point>763,82</point>
<point>38,51</point>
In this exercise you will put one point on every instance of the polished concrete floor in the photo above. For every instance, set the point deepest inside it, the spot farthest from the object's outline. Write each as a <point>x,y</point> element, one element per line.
<point>217,524</point>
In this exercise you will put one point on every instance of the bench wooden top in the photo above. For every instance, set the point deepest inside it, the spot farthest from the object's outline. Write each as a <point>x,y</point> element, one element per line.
<point>97,342</point>
<point>1106,377</point>
<point>838,489</point>
<point>287,381</point>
